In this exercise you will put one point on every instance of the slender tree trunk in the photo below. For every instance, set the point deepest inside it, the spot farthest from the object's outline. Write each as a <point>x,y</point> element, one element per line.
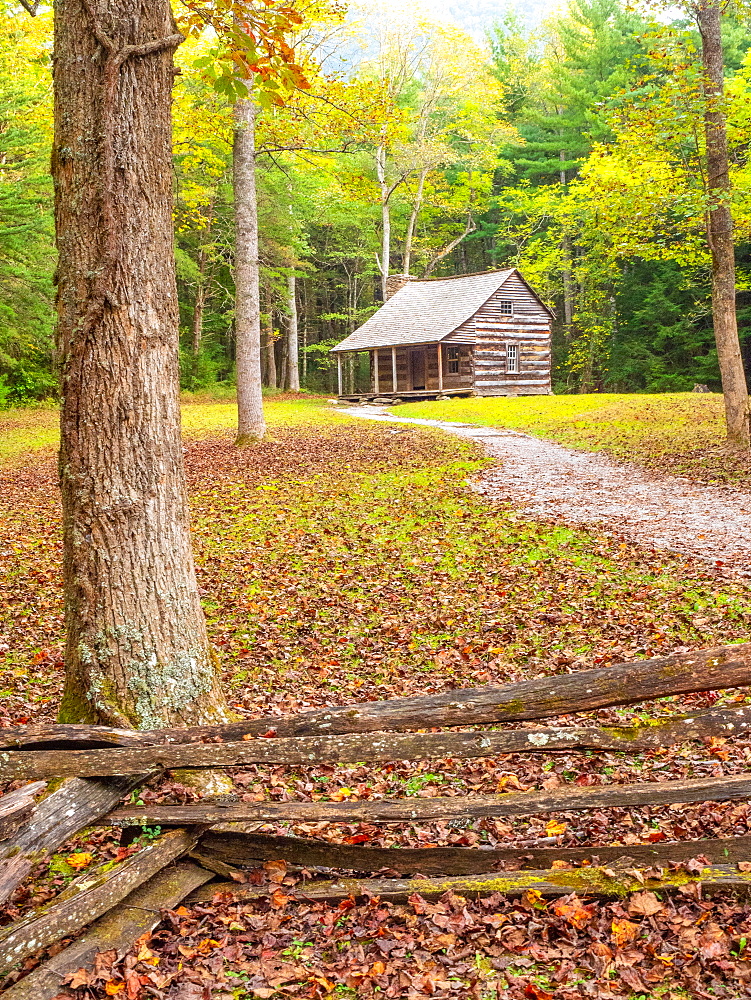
<point>720,231</point>
<point>283,366</point>
<point>305,334</point>
<point>417,205</point>
<point>385,261</point>
<point>270,353</point>
<point>200,299</point>
<point>271,362</point>
<point>251,425</point>
<point>293,361</point>
<point>137,653</point>
<point>198,304</point>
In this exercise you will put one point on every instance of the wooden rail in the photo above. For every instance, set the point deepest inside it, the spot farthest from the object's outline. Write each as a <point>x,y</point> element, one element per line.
<point>108,762</point>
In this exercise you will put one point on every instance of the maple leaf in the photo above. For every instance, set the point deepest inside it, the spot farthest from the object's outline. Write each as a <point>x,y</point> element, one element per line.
<point>645,904</point>
<point>113,987</point>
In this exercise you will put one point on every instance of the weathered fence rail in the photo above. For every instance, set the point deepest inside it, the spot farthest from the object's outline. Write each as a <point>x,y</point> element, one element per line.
<point>347,749</point>
<point>102,764</point>
<point>541,698</point>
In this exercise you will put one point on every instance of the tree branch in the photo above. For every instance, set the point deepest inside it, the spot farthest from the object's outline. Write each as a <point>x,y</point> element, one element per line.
<point>29,7</point>
<point>469,228</point>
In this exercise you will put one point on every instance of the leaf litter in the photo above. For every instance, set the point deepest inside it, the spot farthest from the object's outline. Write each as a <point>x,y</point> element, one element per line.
<point>352,563</point>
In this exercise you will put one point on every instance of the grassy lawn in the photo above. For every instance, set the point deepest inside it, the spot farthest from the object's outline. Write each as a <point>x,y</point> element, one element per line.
<point>341,561</point>
<point>35,429</point>
<point>682,433</point>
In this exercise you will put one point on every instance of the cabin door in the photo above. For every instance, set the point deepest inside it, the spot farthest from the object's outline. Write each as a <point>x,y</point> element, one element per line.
<point>417,367</point>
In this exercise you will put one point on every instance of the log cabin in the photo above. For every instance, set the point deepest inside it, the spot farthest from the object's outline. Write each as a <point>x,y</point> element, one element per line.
<point>473,334</point>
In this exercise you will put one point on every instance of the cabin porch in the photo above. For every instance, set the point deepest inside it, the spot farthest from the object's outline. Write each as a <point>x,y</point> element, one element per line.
<point>410,372</point>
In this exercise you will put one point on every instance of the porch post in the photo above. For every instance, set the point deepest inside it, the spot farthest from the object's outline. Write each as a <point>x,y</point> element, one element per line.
<point>440,368</point>
<point>339,371</point>
<point>376,383</point>
<point>393,370</point>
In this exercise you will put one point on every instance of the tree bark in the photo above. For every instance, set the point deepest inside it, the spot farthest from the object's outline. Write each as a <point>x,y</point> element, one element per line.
<point>270,352</point>
<point>417,205</point>
<point>293,361</point>
<point>137,652</point>
<point>385,261</point>
<point>251,425</point>
<point>720,230</point>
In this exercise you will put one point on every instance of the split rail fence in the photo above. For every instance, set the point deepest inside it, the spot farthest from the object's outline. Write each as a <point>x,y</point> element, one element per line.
<point>111,907</point>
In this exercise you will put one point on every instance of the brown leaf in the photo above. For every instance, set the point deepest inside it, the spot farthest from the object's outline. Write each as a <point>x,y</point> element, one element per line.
<point>77,979</point>
<point>644,904</point>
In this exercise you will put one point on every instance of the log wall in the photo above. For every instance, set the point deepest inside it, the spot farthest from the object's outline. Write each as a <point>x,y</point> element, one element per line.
<point>529,327</point>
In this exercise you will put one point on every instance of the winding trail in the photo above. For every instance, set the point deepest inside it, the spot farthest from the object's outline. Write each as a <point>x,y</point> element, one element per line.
<point>555,483</point>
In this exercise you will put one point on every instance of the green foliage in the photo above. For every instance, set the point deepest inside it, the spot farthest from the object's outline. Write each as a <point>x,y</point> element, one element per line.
<point>26,226</point>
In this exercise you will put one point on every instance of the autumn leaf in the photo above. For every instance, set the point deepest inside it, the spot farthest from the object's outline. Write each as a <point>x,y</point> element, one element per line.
<point>645,904</point>
<point>113,987</point>
<point>623,932</point>
<point>554,829</point>
<point>80,860</point>
<point>573,911</point>
<point>534,898</point>
<point>341,794</point>
<point>536,992</point>
<point>75,980</point>
<point>276,870</point>
<point>279,899</point>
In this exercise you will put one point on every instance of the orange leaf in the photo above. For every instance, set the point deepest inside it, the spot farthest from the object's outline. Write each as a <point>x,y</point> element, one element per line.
<point>573,912</point>
<point>624,932</point>
<point>377,969</point>
<point>554,828</point>
<point>112,988</point>
<point>81,860</point>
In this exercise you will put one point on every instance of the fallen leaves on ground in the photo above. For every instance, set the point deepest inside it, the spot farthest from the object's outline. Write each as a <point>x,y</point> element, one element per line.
<point>352,563</point>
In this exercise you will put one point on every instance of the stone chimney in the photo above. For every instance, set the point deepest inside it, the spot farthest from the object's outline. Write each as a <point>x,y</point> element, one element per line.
<point>396,281</point>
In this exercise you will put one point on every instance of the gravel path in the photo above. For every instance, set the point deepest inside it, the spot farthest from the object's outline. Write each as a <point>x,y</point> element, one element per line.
<point>552,482</point>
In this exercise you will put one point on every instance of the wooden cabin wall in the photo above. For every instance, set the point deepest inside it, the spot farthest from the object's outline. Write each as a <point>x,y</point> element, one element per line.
<point>529,327</point>
<point>404,371</point>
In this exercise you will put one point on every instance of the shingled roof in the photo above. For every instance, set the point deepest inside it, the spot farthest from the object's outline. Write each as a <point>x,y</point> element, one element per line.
<point>425,311</point>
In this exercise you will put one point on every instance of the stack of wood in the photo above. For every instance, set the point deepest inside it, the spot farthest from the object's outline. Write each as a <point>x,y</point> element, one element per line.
<point>118,902</point>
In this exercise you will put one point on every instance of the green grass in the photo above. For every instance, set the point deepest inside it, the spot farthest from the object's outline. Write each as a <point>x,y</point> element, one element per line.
<point>683,433</point>
<point>28,430</point>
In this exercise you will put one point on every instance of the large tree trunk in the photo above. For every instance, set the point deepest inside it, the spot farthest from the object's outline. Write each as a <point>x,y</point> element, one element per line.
<point>251,425</point>
<point>137,652</point>
<point>720,230</point>
<point>293,362</point>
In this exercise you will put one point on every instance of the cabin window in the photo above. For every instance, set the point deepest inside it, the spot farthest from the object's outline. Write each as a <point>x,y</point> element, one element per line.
<point>452,359</point>
<point>512,359</point>
<point>507,307</point>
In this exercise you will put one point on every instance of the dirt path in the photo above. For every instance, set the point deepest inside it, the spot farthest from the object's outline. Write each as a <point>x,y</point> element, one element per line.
<point>556,483</point>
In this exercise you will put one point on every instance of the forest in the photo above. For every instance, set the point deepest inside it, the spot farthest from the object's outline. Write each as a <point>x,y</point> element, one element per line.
<point>570,147</point>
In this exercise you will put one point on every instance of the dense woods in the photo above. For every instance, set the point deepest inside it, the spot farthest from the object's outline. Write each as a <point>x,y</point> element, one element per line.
<point>573,149</point>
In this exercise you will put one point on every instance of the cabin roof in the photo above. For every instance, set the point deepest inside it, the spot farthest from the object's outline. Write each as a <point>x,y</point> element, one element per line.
<point>425,311</point>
